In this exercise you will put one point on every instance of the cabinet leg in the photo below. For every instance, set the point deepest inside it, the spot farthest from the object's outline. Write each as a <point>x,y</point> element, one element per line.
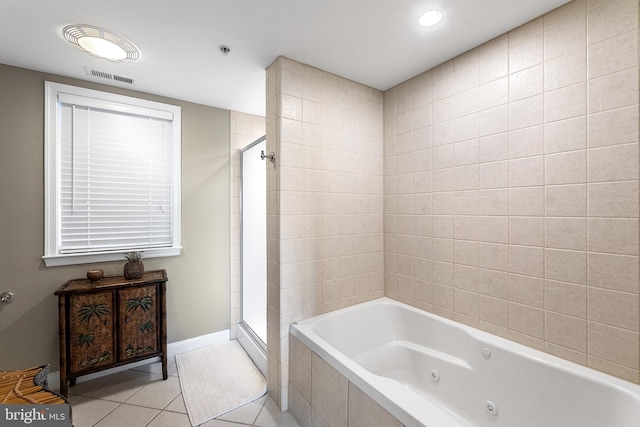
<point>72,382</point>
<point>165,374</point>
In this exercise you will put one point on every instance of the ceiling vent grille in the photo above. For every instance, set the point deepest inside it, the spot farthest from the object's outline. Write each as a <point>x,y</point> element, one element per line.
<point>103,75</point>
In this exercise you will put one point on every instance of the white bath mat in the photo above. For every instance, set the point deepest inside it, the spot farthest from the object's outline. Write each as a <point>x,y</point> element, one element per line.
<point>218,379</point>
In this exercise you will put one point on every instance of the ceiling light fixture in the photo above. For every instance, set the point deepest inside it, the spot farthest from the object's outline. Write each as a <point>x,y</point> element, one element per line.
<point>100,42</point>
<point>430,18</point>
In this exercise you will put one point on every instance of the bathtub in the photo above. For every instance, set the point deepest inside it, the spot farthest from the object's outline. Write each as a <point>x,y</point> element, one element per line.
<point>425,370</point>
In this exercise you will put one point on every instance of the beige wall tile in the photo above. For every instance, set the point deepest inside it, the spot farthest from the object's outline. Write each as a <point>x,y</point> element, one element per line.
<point>526,83</point>
<point>616,272</point>
<point>493,121</point>
<point>527,201</point>
<point>566,266</point>
<point>614,344</point>
<point>493,148</point>
<point>610,368</point>
<point>526,260</point>
<point>614,199</point>
<point>526,172</point>
<point>614,308</point>
<point>565,70</point>
<point>613,163</point>
<point>493,310</point>
<point>493,175</point>
<point>526,113</point>
<point>465,277</point>
<point>465,252</point>
<point>613,127</point>
<point>493,256</point>
<point>526,290</point>
<point>616,236</point>
<point>442,296</point>
<point>443,273</point>
<point>493,283</point>
<point>526,320</point>
<point>365,412</point>
<point>526,142</point>
<point>466,153</point>
<point>527,231</point>
<point>563,13</point>
<point>465,302</point>
<point>493,202</point>
<point>565,298</point>
<point>329,391</point>
<point>566,233</point>
<point>566,135</point>
<point>612,91</point>
<point>566,168</point>
<point>566,353</point>
<point>614,54</point>
<point>566,37</point>
<point>527,52</point>
<point>565,103</point>
<point>493,229</point>
<point>566,200</point>
<point>466,227</point>
<point>493,59</point>
<point>612,19</point>
<point>566,331</point>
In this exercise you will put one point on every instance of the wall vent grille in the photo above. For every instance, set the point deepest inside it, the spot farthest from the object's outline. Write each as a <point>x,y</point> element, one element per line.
<point>103,75</point>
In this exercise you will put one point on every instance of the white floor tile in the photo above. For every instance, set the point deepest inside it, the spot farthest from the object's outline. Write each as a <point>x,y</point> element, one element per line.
<point>157,393</point>
<point>87,411</point>
<point>129,416</point>
<point>170,419</point>
<point>271,416</point>
<point>246,414</point>
<point>177,405</point>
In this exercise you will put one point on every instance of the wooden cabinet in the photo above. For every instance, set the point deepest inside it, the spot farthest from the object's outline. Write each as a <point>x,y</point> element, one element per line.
<point>111,322</point>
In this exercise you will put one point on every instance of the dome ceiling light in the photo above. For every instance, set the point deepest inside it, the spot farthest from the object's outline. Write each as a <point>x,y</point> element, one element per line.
<point>100,42</point>
<point>430,18</point>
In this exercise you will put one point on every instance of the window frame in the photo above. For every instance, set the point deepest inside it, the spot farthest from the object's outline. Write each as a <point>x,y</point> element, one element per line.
<point>52,256</point>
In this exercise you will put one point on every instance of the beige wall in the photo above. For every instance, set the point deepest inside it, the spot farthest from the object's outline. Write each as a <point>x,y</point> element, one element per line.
<point>245,129</point>
<point>511,186</point>
<point>198,288</point>
<point>325,237</point>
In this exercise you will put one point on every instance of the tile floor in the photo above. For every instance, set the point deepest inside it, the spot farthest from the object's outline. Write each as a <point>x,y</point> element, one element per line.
<point>140,398</point>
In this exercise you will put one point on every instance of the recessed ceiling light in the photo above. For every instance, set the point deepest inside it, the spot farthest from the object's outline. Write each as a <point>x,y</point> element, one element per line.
<point>100,42</point>
<point>430,18</point>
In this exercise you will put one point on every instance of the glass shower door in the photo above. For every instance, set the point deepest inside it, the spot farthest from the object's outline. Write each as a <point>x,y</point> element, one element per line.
<point>254,240</point>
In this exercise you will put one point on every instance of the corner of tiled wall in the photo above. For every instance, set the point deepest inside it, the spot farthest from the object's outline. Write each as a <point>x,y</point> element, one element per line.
<point>326,199</point>
<point>512,186</point>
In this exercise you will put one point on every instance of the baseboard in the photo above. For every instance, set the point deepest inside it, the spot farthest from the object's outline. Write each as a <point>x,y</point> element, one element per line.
<point>173,348</point>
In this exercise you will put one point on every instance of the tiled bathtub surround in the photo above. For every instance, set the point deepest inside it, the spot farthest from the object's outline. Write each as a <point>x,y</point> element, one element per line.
<point>511,186</point>
<point>320,396</point>
<point>511,190</point>
<point>325,195</point>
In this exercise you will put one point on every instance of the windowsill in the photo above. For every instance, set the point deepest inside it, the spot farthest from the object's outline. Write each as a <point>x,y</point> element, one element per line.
<point>74,259</point>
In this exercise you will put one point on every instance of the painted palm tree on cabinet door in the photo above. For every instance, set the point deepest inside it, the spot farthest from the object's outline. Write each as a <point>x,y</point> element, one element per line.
<point>139,318</point>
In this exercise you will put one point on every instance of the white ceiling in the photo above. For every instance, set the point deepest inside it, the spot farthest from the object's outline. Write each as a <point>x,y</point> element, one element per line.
<point>374,42</point>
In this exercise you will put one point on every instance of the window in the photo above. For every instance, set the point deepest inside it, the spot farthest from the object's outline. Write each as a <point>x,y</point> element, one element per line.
<point>112,176</point>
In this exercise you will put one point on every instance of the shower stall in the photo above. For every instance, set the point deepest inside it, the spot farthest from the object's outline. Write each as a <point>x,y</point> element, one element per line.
<point>252,329</point>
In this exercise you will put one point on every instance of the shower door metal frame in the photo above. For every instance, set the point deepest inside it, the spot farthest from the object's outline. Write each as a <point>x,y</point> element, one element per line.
<point>253,336</point>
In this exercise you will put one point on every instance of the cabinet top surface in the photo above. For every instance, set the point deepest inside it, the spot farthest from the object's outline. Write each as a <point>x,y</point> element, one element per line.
<point>110,282</point>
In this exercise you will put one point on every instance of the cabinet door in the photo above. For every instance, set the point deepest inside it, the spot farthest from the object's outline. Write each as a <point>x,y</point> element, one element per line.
<point>91,331</point>
<point>138,321</point>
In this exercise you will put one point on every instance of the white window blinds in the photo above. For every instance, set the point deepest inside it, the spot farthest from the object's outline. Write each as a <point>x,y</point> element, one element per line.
<point>115,180</point>
<point>112,176</point>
